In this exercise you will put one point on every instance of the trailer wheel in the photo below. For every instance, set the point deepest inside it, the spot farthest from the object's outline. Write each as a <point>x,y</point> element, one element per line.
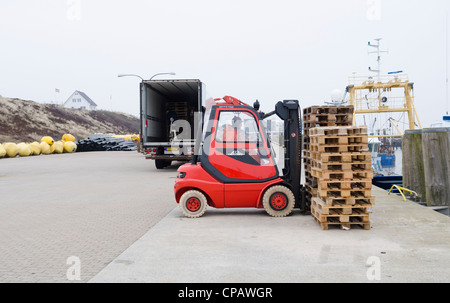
<point>160,164</point>
<point>193,204</point>
<point>278,201</point>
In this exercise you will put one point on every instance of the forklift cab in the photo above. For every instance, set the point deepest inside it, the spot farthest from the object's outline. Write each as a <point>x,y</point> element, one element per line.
<point>235,147</point>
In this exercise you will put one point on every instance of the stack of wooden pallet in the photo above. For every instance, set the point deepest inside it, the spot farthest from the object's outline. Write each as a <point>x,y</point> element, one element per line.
<point>320,116</point>
<point>339,175</point>
<point>179,108</point>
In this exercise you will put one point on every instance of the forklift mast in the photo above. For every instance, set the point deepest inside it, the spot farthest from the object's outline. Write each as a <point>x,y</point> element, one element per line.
<point>289,112</point>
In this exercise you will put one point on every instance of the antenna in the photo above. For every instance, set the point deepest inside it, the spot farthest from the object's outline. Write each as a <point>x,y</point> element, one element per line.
<point>378,52</point>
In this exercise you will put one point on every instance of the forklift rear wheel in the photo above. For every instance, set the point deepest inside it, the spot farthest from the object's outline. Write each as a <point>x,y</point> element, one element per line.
<point>278,201</point>
<point>193,204</point>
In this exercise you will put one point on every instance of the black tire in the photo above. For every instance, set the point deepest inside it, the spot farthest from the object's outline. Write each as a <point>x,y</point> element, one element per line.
<point>160,164</point>
<point>279,201</point>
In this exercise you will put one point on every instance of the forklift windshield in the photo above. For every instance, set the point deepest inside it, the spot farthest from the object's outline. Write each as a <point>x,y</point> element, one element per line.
<point>235,146</point>
<point>239,127</point>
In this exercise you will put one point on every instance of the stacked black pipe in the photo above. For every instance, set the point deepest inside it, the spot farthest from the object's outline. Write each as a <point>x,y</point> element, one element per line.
<point>100,142</point>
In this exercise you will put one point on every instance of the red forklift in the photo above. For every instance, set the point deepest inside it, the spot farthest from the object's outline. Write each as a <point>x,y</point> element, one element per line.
<point>234,165</point>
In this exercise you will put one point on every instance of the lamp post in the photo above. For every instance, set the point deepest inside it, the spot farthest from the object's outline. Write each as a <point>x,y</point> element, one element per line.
<point>159,74</point>
<point>129,75</point>
<point>133,75</point>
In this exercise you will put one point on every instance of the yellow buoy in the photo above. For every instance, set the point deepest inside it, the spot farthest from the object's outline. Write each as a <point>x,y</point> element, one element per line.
<point>68,137</point>
<point>70,147</point>
<point>57,147</point>
<point>23,149</point>
<point>48,139</point>
<point>45,148</point>
<point>11,149</point>
<point>35,148</point>
<point>2,151</point>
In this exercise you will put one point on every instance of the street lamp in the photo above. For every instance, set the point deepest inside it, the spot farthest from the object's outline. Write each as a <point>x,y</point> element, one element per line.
<point>173,74</point>
<point>133,75</point>
<point>129,75</point>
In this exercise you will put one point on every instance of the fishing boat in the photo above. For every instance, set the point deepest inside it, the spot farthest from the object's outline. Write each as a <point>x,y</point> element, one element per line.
<point>385,103</point>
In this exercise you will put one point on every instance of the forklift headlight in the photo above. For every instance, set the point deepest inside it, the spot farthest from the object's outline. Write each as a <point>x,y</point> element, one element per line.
<point>181,175</point>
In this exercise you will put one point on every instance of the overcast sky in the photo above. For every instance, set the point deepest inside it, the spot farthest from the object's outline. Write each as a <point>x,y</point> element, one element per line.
<point>266,50</point>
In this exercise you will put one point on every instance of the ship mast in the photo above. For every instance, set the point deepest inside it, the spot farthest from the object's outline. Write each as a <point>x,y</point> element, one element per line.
<point>378,97</point>
<point>378,52</point>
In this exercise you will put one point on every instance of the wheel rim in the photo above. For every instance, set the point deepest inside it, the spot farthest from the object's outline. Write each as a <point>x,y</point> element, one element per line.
<point>278,201</point>
<point>193,204</point>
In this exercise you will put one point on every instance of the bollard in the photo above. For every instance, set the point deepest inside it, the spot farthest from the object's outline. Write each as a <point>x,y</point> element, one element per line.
<point>413,170</point>
<point>436,158</point>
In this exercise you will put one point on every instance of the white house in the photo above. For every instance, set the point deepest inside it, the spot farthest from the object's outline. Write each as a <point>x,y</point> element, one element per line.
<point>79,100</point>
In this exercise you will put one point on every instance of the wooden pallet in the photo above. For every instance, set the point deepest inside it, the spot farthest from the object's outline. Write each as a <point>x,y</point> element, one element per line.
<point>346,209</point>
<point>358,157</point>
<point>176,104</point>
<point>309,125</point>
<point>327,118</point>
<point>308,162</point>
<point>336,214</point>
<point>338,131</point>
<point>306,153</point>
<point>329,110</point>
<point>349,200</point>
<point>337,217</point>
<point>317,165</point>
<point>311,189</point>
<point>341,175</point>
<point>309,176</point>
<point>344,184</point>
<point>340,140</point>
<point>318,148</point>
<point>180,108</point>
<point>344,193</point>
<point>334,222</point>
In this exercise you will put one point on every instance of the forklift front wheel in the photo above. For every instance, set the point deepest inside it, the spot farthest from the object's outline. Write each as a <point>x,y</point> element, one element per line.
<point>278,201</point>
<point>193,204</point>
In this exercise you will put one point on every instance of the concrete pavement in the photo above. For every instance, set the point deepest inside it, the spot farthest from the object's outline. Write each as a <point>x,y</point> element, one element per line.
<point>407,243</point>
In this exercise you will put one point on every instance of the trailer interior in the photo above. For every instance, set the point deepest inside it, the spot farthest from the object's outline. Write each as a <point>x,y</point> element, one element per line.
<point>166,101</point>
